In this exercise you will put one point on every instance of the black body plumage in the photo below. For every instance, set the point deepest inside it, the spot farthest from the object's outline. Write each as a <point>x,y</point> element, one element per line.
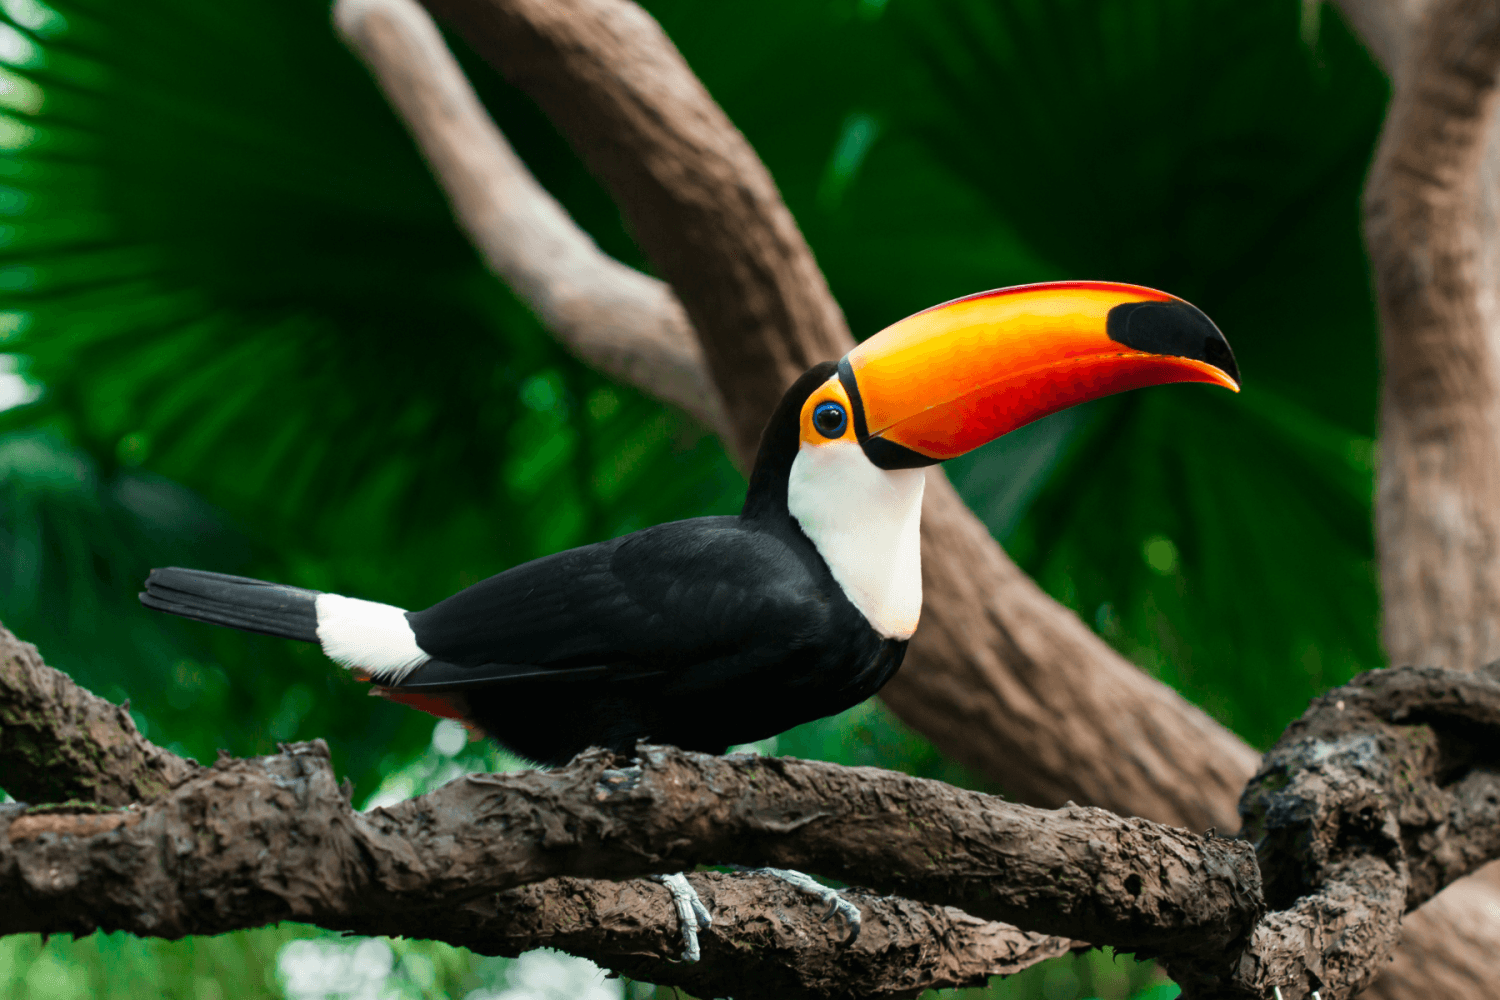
<point>701,633</point>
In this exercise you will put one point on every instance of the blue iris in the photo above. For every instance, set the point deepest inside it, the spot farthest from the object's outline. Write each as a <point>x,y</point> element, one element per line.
<point>830,419</point>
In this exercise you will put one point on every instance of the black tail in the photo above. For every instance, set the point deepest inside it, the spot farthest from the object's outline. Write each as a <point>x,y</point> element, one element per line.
<point>236,601</point>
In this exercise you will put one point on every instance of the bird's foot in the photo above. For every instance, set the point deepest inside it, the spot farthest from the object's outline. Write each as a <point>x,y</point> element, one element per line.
<point>692,915</point>
<point>837,904</point>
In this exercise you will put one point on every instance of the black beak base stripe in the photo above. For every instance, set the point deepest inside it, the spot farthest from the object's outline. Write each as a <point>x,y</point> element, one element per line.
<point>851,389</point>
<point>882,454</point>
<point>885,454</point>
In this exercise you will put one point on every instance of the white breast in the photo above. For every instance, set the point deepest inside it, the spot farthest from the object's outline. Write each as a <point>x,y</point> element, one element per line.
<point>866,523</point>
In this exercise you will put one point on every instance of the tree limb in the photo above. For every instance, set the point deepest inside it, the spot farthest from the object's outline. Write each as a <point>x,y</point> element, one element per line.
<point>763,928</point>
<point>626,324</point>
<point>253,841</point>
<point>59,742</point>
<point>1382,793</point>
<point>764,932</point>
<point>1435,246</point>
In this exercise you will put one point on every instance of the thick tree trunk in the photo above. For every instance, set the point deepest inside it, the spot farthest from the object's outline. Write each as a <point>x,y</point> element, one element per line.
<point>1433,232</point>
<point>1435,246</point>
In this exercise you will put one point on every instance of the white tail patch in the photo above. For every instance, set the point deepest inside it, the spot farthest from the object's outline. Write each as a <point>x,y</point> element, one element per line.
<point>376,638</point>
<point>866,524</point>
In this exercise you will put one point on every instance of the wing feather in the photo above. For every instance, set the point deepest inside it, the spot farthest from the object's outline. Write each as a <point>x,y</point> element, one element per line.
<point>660,599</point>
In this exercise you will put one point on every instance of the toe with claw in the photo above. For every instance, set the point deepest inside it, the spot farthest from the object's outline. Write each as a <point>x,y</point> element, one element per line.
<point>692,915</point>
<point>837,904</point>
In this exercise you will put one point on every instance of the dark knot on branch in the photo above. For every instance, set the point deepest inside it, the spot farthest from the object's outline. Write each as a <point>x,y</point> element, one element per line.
<point>1384,791</point>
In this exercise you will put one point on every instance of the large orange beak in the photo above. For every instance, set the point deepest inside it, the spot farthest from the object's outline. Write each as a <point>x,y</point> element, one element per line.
<point>951,378</point>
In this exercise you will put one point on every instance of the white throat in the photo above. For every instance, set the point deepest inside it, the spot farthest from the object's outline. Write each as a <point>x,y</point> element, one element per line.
<point>866,524</point>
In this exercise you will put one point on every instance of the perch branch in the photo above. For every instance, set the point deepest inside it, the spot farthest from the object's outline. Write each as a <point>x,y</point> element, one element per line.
<point>764,932</point>
<point>67,745</point>
<point>60,742</point>
<point>1380,795</point>
<point>253,841</point>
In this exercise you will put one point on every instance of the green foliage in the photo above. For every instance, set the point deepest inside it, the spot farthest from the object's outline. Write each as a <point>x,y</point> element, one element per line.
<point>263,347</point>
<point>1198,146</point>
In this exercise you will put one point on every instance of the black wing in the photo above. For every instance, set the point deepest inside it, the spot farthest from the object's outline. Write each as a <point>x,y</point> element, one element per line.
<point>658,600</point>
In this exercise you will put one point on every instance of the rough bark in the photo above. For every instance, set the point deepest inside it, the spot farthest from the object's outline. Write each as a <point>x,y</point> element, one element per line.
<point>1000,677</point>
<point>71,747</point>
<point>59,742</point>
<point>249,842</point>
<point>764,932</point>
<point>1382,793</point>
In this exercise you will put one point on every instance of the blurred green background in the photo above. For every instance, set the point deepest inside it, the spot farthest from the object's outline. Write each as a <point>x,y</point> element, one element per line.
<point>242,333</point>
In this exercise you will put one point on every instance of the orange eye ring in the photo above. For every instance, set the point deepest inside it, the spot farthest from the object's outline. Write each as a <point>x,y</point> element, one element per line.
<point>827,416</point>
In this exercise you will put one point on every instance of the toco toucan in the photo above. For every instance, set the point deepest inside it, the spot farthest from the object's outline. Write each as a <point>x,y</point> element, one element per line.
<point>722,630</point>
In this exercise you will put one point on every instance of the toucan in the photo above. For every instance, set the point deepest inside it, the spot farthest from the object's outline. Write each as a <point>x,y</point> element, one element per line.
<point>717,631</point>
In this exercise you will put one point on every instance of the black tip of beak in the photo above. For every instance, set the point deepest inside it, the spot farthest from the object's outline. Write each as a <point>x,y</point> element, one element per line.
<point>1173,328</point>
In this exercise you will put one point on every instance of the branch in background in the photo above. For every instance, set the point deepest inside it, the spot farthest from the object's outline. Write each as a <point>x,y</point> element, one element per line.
<point>1435,245</point>
<point>624,323</point>
<point>1432,207</point>
<point>59,742</point>
<point>698,199</point>
<point>1000,677</point>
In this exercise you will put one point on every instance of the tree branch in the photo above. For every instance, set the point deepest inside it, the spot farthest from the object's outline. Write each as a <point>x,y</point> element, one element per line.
<point>1382,793</point>
<point>626,324</point>
<point>59,742</point>
<point>764,932</point>
<point>1435,245</point>
<point>253,841</point>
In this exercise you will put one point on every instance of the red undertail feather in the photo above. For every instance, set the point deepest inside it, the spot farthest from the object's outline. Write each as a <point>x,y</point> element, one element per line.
<point>443,706</point>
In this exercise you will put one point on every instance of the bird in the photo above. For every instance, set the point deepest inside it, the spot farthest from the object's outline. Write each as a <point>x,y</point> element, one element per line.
<point>717,631</point>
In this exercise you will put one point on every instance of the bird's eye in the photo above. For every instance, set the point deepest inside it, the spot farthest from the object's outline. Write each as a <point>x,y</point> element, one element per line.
<point>830,419</point>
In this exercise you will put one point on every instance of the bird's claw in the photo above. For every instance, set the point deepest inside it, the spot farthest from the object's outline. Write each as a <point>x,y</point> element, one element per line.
<point>837,904</point>
<point>692,915</point>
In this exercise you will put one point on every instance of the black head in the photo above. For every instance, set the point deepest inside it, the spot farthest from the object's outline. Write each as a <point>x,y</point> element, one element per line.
<point>779,443</point>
